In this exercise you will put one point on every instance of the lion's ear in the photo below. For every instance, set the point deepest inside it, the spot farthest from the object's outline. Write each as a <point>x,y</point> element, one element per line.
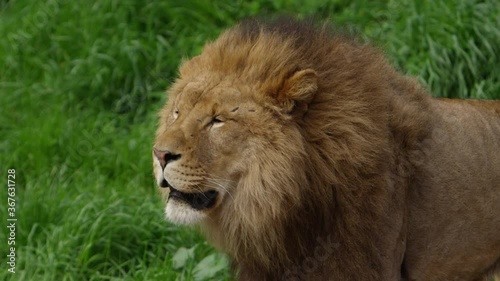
<point>297,91</point>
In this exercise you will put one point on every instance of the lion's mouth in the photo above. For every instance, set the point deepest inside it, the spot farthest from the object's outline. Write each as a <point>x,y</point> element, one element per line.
<point>198,200</point>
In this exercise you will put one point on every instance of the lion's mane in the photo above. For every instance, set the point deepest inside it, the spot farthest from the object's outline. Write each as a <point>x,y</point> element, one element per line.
<point>350,164</point>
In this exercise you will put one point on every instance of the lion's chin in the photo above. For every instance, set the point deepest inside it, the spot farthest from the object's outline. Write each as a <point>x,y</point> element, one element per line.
<point>188,208</point>
<point>179,212</point>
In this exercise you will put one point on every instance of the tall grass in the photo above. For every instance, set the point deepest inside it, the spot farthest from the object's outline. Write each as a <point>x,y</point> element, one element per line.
<point>80,84</point>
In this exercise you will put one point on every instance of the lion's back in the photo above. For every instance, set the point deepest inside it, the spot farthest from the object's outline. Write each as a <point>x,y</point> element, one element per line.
<point>455,206</point>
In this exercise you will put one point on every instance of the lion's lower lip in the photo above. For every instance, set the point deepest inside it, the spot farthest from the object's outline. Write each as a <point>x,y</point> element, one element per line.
<point>198,201</point>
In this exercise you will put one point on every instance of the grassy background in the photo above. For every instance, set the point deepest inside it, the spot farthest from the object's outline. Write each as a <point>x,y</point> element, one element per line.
<point>80,84</point>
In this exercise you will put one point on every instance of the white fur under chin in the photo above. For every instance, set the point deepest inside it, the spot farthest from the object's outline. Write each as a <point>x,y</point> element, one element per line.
<point>181,213</point>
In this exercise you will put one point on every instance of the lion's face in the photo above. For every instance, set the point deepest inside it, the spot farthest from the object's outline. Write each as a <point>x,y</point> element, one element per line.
<point>207,139</point>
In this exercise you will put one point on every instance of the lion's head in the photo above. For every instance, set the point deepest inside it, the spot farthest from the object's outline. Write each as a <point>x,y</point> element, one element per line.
<point>229,135</point>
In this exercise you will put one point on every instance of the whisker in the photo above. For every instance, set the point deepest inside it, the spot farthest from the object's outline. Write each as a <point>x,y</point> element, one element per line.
<point>220,179</point>
<point>201,191</point>
<point>214,181</point>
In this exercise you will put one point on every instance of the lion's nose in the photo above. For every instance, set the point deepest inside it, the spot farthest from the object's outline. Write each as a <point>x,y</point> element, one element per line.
<point>165,157</point>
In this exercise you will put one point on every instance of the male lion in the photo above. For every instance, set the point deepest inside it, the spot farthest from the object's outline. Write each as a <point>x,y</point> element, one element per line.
<point>304,155</point>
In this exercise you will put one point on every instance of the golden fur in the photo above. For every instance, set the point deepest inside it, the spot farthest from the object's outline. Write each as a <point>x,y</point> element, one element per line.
<point>329,164</point>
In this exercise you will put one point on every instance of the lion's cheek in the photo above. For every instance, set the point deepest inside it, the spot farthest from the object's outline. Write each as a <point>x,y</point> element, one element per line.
<point>224,152</point>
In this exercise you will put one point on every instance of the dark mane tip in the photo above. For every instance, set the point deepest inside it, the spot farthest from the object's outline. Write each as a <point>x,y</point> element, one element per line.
<point>302,31</point>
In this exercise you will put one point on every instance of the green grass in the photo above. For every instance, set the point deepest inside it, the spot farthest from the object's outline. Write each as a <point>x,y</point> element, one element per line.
<point>80,84</point>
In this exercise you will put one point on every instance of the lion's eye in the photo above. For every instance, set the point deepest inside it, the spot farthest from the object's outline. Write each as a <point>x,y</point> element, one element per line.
<point>216,122</point>
<point>175,114</point>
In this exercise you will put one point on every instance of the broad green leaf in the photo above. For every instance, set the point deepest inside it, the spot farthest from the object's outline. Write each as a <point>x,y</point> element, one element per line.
<point>210,266</point>
<point>181,257</point>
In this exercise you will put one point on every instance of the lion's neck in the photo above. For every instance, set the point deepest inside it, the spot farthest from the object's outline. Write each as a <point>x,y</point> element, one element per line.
<point>275,250</point>
<point>276,231</point>
<point>271,237</point>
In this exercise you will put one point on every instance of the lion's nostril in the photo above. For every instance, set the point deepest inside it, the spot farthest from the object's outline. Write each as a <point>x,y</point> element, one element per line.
<point>165,157</point>
<point>170,157</point>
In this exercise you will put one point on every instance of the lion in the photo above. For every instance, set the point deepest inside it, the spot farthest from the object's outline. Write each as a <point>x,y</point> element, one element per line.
<point>303,154</point>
